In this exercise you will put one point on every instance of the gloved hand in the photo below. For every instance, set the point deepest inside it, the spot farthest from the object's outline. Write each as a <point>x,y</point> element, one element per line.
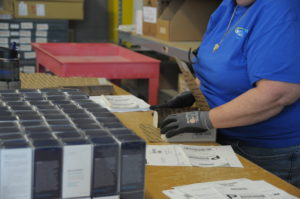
<point>187,122</point>
<point>184,99</point>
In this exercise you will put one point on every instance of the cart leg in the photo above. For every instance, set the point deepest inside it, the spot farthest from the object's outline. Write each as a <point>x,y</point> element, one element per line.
<point>153,91</point>
<point>40,68</point>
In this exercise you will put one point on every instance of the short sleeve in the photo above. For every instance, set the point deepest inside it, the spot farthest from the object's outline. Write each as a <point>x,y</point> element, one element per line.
<point>275,54</point>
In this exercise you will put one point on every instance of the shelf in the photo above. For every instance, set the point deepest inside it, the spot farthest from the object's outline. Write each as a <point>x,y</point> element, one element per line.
<point>178,49</point>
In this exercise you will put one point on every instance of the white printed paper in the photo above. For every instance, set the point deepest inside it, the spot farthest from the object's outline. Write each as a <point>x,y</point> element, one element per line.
<point>121,103</point>
<point>15,173</point>
<point>150,14</point>
<point>4,33</point>
<point>188,155</point>
<point>41,33</point>
<point>25,47</point>
<point>3,40</point>
<point>14,26</point>
<point>40,10</point>
<point>77,165</point>
<point>166,155</point>
<point>22,9</point>
<point>29,55</point>
<point>25,40</point>
<point>41,40</point>
<point>232,189</point>
<point>25,33</point>
<point>15,33</point>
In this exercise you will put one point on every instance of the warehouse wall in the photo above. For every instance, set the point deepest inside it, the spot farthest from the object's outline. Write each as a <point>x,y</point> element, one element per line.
<point>94,27</point>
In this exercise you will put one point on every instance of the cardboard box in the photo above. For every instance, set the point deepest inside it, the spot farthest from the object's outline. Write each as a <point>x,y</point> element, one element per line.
<point>185,20</point>
<point>49,9</point>
<point>152,9</point>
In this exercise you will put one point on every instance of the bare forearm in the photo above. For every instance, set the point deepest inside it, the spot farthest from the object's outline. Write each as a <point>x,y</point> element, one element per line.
<point>252,107</point>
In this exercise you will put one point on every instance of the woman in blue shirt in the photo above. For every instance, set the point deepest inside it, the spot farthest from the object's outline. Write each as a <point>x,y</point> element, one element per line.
<point>249,68</point>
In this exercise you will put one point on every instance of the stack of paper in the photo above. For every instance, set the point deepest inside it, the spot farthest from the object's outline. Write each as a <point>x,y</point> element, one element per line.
<point>121,103</point>
<point>228,189</point>
<point>188,155</point>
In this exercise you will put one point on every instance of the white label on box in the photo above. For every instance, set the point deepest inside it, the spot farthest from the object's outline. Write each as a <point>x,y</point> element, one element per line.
<point>107,197</point>
<point>77,166</point>
<point>139,22</point>
<point>27,25</point>
<point>15,40</point>
<point>40,10</point>
<point>29,69</point>
<point>41,33</point>
<point>14,33</point>
<point>150,14</point>
<point>42,26</point>
<point>24,47</point>
<point>25,33</point>
<point>25,40</point>
<point>29,55</point>
<point>163,30</point>
<point>3,40</point>
<point>4,26</point>
<point>4,33</point>
<point>22,9</point>
<point>15,173</point>
<point>41,40</point>
<point>14,26</point>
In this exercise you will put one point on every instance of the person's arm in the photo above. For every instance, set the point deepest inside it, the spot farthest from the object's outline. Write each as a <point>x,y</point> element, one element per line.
<point>264,101</point>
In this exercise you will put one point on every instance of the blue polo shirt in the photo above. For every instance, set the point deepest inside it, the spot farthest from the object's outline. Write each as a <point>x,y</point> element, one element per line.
<point>263,43</point>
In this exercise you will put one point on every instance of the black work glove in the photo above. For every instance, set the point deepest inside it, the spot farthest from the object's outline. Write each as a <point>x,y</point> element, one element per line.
<point>184,99</point>
<point>187,122</point>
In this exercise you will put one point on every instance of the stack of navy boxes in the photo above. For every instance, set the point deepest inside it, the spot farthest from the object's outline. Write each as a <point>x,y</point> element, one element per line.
<point>57,143</point>
<point>26,31</point>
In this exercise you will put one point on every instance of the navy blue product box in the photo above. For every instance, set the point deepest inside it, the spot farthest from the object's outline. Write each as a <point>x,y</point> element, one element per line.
<point>96,133</point>
<point>119,132</point>
<point>17,103</point>
<point>41,102</point>
<point>132,195</point>
<point>45,107</point>
<point>27,90</point>
<point>88,126</point>
<point>67,106</point>
<point>105,166</point>
<point>10,99</point>
<point>60,102</point>
<point>9,130</point>
<point>77,110</point>
<point>91,105</point>
<point>56,97</point>
<point>13,136</point>
<point>132,163</point>
<point>78,97</point>
<point>83,121</point>
<point>29,117</point>
<point>35,123</point>
<point>107,120</point>
<point>21,108</point>
<point>82,101</point>
<point>40,136</point>
<point>100,110</point>
<point>75,116</point>
<point>103,114</point>
<point>63,128</point>
<point>55,117</point>
<point>47,169</point>
<point>37,129</point>
<point>51,112</point>
<point>67,135</point>
<point>59,122</point>
<point>7,118</point>
<point>8,124</point>
<point>113,125</point>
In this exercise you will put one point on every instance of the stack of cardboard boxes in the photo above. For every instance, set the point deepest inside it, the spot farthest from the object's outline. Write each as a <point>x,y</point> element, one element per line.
<point>177,20</point>
<point>27,21</point>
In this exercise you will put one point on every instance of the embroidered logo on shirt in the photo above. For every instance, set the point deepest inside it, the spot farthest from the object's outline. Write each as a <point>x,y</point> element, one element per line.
<point>241,32</point>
